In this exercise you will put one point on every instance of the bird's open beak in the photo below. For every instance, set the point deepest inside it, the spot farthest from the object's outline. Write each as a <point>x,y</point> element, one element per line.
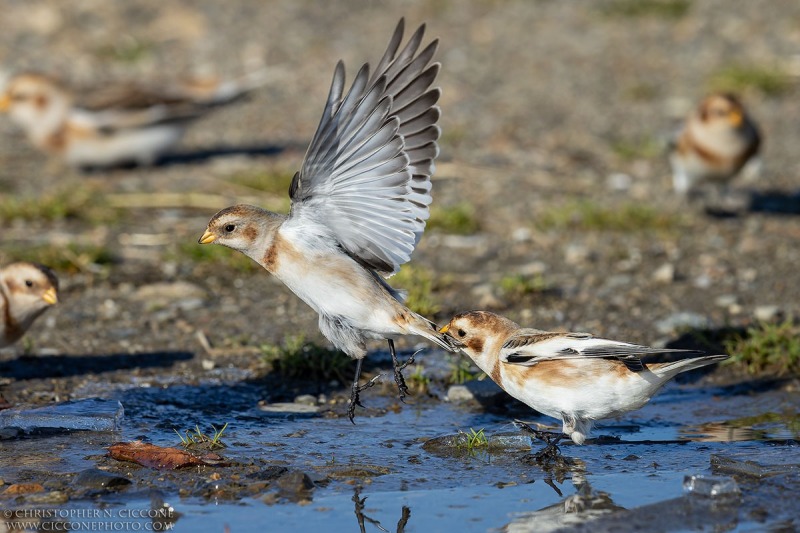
<point>50,296</point>
<point>735,118</point>
<point>5,102</point>
<point>207,238</point>
<point>455,343</point>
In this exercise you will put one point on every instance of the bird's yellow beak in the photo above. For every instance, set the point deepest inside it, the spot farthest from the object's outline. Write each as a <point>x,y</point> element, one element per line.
<point>207,238</point>
<point>445,328</point>
<point>735,118</point>
<point>5,102</point>
<point>50,296</point>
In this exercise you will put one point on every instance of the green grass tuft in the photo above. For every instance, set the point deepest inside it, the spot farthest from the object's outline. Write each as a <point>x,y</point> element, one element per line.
<point>460,370</point>
<point>665,9</point>
<point>589,216</point>
<point>297,358</point>
<point>196,438</point>
<point>773,348</point>
<point>633,149</point>
<point>740,78</point>
<point>419,283</point>
<point>71,258</point>
<point>75,203</point>
<point>127,50</point>
<point>458,219</point>
<point>519,285</point>
<point>474,440</point>
<point>214,254</point>
<point>273,182</point>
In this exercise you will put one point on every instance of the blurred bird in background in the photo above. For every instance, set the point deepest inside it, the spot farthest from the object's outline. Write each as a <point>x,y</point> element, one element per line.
<point>113,124</point>
<point>26,291</point>
<point>717,139</point>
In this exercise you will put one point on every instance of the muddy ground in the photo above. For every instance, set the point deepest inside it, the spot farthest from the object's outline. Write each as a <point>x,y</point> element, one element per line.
<point>552,202</point>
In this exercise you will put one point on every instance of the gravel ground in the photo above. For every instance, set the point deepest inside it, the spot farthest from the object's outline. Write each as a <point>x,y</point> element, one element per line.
<point>551,111</point>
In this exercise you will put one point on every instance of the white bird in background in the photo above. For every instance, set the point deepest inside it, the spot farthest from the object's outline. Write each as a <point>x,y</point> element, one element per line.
<point>113,124</point>
<point>717,140</point>
<point>359,206</point>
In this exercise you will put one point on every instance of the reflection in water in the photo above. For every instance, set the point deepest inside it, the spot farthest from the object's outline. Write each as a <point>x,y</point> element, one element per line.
<point>405,514</point>
<point>772,426</point>
<point>720,432</point>
<point>586,504</point>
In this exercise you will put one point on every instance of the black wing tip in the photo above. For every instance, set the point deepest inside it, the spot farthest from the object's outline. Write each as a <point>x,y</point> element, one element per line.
<point>516,358</point>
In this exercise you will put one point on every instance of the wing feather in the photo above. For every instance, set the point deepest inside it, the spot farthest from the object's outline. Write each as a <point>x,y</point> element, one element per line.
<point>529,347</point>
<point>366,173</point>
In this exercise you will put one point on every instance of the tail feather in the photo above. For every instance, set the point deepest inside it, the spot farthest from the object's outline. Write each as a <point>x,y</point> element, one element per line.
<point>684,365</point>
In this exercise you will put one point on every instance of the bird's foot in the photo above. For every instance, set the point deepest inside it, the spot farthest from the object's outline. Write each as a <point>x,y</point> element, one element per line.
<point>551,451</point>
<point>355,396</point>
<point>402,388</point>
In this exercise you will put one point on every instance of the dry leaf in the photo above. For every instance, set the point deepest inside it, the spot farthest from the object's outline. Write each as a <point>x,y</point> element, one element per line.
<point>159,457</point>
<point>22,488</point>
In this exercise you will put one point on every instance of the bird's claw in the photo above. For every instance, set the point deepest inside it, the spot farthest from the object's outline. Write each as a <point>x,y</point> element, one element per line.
<point>551,450</point>
<point>355,398</point>
<point>402,388</point>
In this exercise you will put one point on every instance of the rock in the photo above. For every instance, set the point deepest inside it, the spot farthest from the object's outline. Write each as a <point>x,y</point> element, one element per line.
<point>619,181</point>
<point>682,320</point>
<point>521,234</point>
<point>95,479</point>
<point>483,391</point>
<point>484,296</point>
<point>664,274</point>
<point>289,409</point>
<point>54,497</point>
<point>268,473</point>
<point>575,254</point>
<point>294,485</point>
<point>306,399</point>
<point>766,313</point>
<point>180,293</point>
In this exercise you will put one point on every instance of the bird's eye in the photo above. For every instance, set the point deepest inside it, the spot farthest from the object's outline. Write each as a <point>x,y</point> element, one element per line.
<point>230,227</point>
<point>28,283</point>
<point>461,332</point>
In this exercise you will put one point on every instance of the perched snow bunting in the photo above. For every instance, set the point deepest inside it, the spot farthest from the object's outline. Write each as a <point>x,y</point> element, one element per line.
<point>26,291</point>
<point>359,205</point>
<point>113,124</point>
<point>570,376</point>
<point>716,141</point>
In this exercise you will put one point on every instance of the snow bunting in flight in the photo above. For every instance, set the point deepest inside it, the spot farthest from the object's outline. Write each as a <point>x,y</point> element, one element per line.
<point>359,206</point>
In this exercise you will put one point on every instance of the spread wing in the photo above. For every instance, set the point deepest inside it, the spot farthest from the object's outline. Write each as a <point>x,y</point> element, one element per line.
<point>529,347</point>
<point>366,174</point>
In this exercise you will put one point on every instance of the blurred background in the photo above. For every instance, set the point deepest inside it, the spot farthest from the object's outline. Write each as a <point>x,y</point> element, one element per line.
<point>552,199</point>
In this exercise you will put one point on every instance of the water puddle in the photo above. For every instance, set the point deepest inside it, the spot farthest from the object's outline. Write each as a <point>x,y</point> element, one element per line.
<point>408,468</point>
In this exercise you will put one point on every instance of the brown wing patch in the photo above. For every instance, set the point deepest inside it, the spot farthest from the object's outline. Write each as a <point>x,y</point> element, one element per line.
<point>565,373</point>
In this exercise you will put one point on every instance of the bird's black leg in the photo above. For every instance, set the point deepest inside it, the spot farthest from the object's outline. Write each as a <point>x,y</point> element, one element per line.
<point>551,451</point>
<point>402,388</point>
<point>356,389</point>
